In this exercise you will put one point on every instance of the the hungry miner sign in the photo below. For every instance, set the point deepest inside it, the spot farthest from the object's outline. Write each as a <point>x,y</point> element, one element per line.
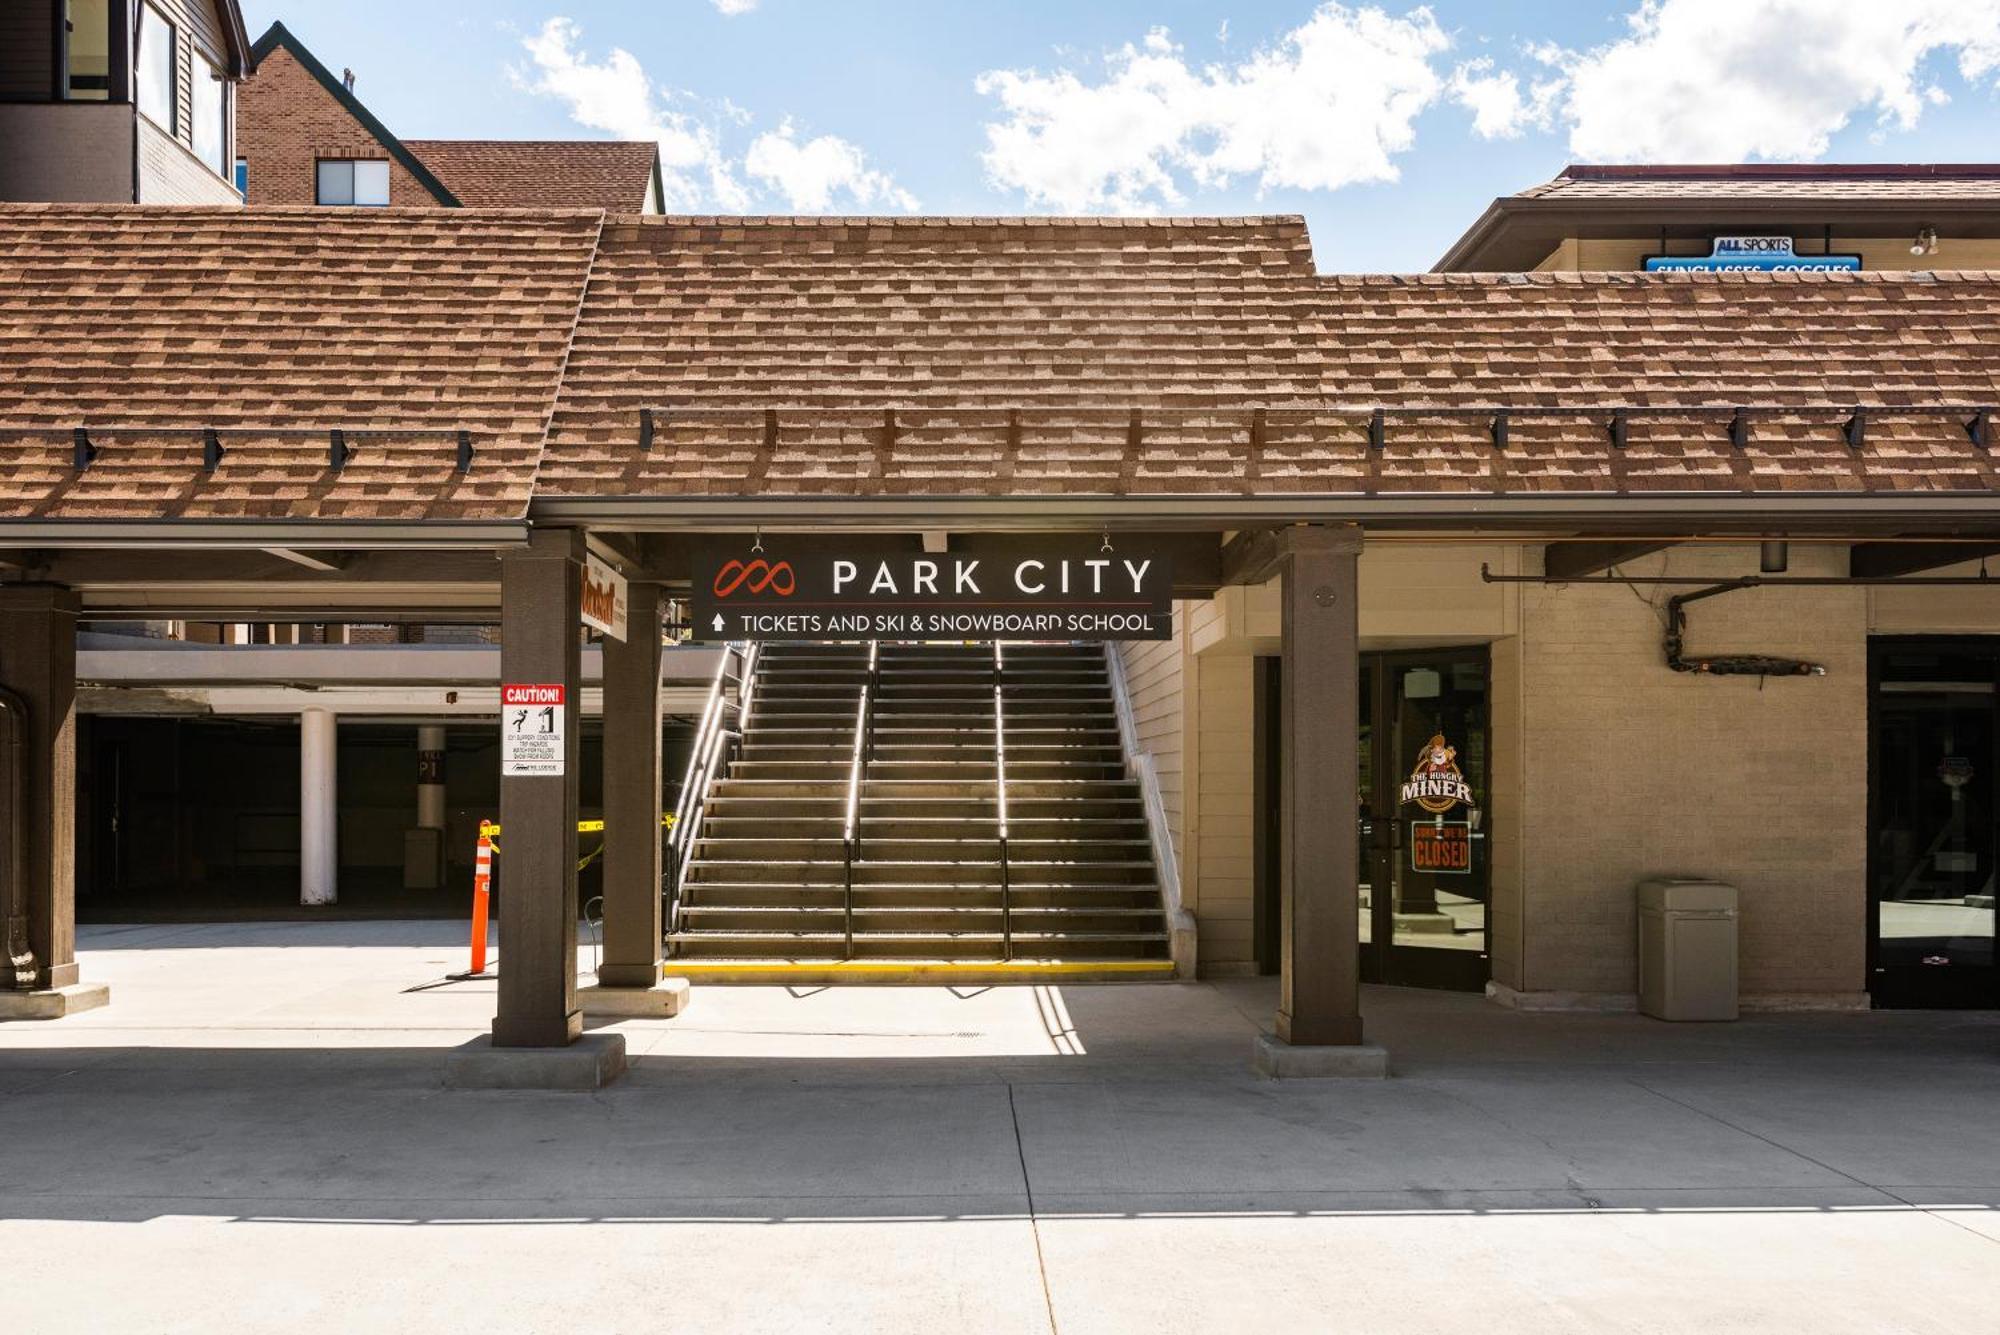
<point>1073,591</point>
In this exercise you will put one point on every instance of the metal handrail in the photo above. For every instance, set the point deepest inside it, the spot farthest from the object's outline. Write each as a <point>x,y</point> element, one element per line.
<point>703,758</point>
<point>1000,797</point>
<point>854,769</point>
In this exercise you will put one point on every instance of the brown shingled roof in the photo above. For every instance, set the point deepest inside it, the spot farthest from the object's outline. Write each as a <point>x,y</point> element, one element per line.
<point>146,325</point>
<point>927,357</point>
<point>1941,183</point>
<point>551,173</point>
<point>950,323</point>
<point>923,358</point>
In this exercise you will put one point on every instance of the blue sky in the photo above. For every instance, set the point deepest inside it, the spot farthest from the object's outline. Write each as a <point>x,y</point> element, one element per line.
<point>1389,127</point>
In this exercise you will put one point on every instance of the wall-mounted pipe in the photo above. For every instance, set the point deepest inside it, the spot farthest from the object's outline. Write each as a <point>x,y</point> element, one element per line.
<point>20,970</point>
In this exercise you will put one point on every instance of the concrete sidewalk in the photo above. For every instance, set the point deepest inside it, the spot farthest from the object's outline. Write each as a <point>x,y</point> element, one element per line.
<point>253,1136</point>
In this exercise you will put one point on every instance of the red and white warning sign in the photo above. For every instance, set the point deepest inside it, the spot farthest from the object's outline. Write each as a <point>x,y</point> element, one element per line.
<point>531,729</point>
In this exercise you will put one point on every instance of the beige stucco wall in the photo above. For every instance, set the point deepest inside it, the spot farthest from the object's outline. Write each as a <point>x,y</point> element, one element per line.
<point>1607,767</point>
<point>1877,252</point>
<point>66,152</point>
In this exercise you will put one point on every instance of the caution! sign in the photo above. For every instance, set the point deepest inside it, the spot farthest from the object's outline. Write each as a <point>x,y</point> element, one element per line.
<point>531,729</point>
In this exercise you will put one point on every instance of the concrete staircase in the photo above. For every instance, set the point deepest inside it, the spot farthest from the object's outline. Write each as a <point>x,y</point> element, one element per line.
<point>764,891</point>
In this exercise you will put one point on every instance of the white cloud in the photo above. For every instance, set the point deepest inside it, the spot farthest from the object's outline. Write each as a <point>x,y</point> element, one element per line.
<point>734,7</point>
<point>1330,104</point>
<point>1731,80</point>
<point>615,95</point>
<point>811,174</point>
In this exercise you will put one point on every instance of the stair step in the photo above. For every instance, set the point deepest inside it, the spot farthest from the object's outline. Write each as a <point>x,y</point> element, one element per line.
<point>833,871</point>
<point>774,894</point>
<point>919,945</point>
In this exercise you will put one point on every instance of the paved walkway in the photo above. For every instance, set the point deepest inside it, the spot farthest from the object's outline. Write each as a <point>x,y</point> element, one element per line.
<point>253,1137</point>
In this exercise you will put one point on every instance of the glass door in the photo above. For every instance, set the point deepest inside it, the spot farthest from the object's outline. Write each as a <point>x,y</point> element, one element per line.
<point>1932,822</point>
<point>1424,865</point>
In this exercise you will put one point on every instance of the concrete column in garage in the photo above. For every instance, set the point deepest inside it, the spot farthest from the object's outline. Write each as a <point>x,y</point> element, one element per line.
<point>629,978</point>
<point>38,806</point>
<point>430,776</point>
<point>319,807</point>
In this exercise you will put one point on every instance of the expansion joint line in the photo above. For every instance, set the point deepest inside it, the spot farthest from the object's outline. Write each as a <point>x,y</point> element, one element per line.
<point>1034,1220</point>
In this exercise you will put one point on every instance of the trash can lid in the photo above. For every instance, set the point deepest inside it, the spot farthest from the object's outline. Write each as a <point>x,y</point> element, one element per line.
<point>1672,894</point>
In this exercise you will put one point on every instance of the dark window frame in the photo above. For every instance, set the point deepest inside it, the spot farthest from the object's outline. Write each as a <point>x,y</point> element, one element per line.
<point>118,22</point>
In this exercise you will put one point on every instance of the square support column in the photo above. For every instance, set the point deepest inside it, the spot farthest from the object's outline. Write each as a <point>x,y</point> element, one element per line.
<point>1319,1000</point>
<point>632,836</point>
<point>1318,1026</point>
<point>541,592</point>
<point>38,854</point>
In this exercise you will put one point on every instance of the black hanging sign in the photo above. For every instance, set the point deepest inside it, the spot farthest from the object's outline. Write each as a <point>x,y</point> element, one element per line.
<point>1072,591</point>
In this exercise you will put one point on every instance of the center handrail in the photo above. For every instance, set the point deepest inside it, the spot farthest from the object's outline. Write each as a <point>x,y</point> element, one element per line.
<point>1000,799</point>
<point>703,759</point>
<point>854,769</point>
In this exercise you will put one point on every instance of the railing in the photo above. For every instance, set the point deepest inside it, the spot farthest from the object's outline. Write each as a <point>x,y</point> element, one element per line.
<point>1139,765</point>
<point>856,766</point>
<point>1000,800</point>
<point>739,665</point>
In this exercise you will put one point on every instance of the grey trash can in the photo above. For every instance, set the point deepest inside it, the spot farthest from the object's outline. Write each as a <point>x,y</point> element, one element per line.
<point>1687,949</point>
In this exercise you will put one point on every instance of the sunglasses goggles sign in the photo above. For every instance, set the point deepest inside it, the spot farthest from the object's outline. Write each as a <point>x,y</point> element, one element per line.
<point>1072,592</point>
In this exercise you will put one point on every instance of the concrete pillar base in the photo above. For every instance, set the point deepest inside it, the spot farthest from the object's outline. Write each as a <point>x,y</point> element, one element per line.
<point>52,1003</point>
<point>662,1001</point>
<point>1280,1060</point>
<point>591,1062</point>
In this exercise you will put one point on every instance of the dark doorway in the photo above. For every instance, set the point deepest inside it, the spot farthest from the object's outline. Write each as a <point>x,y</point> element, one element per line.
<point>1932,821</point>
<point>1425,872</point>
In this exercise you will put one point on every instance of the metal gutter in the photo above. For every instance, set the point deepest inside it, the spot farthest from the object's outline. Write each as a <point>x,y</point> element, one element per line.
<point>1086,511</point>
<point>230,534</point>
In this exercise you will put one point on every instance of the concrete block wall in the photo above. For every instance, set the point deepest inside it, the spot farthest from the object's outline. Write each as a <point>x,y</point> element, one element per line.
<point>1628,770</point>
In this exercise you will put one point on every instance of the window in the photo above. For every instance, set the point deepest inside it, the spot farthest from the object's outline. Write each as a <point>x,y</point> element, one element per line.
<point>242,178</point>
<point>87,50</point>
<point>211,117</point>
<point>351,181</point>
<point>156,68</point>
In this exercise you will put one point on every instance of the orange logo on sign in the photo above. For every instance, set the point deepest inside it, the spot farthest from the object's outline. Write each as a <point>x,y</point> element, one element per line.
<point>755,577</point>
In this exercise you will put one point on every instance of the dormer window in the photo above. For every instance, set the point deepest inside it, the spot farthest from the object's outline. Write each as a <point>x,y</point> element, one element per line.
<point>358,181</point>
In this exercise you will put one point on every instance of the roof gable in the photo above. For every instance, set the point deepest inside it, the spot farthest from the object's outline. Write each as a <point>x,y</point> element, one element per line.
<point>277,37</point>
<point>613,175</point>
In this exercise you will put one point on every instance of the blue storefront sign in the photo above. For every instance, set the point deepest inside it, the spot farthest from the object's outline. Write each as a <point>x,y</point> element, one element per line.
<point>1768,254</point>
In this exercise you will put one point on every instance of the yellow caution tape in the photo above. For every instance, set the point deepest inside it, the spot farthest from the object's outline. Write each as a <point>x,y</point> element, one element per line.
<point>489,828</point>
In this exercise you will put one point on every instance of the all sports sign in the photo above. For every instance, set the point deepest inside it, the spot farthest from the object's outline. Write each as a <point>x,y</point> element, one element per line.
<point>1067,592</point>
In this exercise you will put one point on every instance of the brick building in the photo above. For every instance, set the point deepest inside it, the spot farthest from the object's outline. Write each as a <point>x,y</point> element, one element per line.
<point>306,138</point>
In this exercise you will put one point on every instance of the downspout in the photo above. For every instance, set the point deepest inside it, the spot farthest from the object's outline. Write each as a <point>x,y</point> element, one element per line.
<point>1181,932</point>
<point>20,969</point>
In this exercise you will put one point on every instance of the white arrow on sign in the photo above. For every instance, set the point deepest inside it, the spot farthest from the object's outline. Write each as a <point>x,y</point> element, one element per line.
<point>718,621</point>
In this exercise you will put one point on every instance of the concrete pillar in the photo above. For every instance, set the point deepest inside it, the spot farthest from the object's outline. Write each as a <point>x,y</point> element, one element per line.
<point>1319,950</point>
<point>541,611</point>
<point>430,777</point>
<point>319,807</point>
<point>1318,1027</point>
<point>38,858</point>
<point>632,836</point>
